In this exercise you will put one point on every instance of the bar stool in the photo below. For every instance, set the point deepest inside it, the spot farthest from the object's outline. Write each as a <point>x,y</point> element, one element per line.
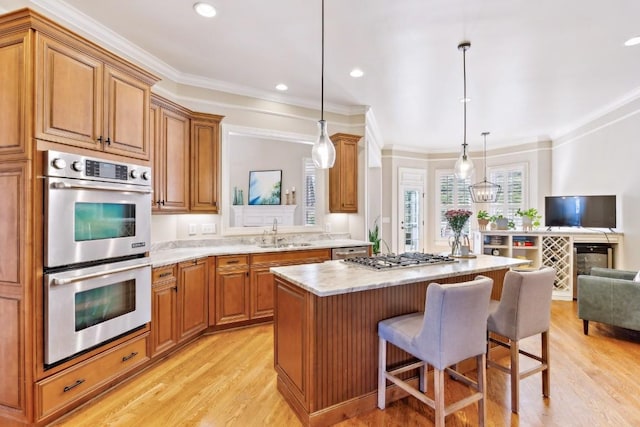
<point>524,310</point>
<point>451,329</point>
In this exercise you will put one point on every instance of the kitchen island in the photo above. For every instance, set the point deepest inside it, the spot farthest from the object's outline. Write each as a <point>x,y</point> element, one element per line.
<point>325,325</point>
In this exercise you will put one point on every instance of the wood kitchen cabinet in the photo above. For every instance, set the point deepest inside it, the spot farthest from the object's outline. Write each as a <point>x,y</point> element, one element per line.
<point>171,156</point>
<point>164,310</point>
<point>179,310</point>
<point>88,100</point>
<point>343,176</point>
<point>205,162</point>
<point>193,291</point>
<point>232,289</point>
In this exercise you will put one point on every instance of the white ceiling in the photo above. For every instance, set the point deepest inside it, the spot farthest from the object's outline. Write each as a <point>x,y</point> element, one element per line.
<point>535,70</point>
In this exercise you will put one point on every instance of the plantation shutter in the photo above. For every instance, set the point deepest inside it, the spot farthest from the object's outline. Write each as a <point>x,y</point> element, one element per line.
<point>309,205</point>
<point>453,194</point>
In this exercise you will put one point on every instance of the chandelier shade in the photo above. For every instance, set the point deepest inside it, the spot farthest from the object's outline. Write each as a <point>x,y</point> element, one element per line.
<point>485,191</point>
<point>323,152</point>
<point>464,166</point>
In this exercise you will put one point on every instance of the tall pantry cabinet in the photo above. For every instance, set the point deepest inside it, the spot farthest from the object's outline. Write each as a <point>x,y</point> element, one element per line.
<point>57,89</point>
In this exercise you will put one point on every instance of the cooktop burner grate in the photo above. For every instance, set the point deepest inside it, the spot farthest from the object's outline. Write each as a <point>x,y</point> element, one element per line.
<point>404,260</point>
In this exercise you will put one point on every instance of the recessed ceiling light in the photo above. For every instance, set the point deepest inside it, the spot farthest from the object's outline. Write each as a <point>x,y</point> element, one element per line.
<point>204,9</point>
<point>356,72</point>
<point>282,87</point>
<point>632,41</point>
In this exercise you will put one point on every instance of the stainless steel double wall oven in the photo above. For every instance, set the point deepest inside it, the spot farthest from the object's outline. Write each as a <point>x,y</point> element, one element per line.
<point>97,234</point>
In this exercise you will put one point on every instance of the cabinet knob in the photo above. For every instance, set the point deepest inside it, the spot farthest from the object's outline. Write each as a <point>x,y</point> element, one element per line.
<point>108,141</point>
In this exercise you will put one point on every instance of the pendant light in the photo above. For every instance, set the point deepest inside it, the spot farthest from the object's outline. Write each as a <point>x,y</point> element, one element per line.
<point>485,191</point>
<point>464,165</point>
<point>323,152</point>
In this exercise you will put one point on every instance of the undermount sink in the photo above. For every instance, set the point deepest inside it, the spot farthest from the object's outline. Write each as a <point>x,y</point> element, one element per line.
<point>283,245</point>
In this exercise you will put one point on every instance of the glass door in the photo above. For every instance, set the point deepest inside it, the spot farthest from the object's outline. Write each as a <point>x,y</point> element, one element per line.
<point>411,222</point>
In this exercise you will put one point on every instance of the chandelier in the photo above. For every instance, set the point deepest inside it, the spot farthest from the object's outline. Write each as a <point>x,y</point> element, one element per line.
<point>485,191</point>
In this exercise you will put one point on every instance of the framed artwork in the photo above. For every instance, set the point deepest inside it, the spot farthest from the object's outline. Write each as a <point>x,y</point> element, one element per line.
<point>264,187</point>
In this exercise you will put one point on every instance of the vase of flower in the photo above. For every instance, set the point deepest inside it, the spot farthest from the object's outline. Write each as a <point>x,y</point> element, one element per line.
<point>456,218</point>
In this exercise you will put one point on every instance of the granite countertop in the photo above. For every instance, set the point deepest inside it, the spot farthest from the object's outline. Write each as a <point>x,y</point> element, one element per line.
<point>338,277</point>
<point>172,255</point>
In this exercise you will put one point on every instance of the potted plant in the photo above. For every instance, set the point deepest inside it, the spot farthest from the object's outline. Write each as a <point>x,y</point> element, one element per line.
<point>374,237</point>
<point>530,218</point>
<point>501,222</point>
<point>483,219</point>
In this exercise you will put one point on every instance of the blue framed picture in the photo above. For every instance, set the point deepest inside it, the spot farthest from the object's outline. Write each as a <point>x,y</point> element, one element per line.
<point>265,187</point>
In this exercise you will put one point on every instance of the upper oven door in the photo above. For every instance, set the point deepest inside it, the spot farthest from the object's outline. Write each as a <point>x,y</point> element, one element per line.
<point>89,220</point>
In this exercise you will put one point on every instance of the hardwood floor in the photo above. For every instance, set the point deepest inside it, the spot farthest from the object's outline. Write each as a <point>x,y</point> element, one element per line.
<point>227,379</point>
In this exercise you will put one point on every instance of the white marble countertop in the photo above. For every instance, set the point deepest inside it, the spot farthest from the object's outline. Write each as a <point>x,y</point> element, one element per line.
<point>337,277</point>
<point>164,257</point>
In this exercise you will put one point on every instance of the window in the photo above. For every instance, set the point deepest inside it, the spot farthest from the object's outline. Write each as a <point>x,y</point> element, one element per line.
<point>512,179</point>
<point>452,194</point>
<point>309,196</point>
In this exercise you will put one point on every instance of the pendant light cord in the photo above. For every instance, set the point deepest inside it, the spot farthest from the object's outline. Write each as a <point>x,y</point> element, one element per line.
<point>484,134</point>
<point>322,70</point>
<point>464,77</point>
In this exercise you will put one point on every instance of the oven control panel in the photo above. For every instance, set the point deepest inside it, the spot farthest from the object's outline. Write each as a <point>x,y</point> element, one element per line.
<point>67,165</point>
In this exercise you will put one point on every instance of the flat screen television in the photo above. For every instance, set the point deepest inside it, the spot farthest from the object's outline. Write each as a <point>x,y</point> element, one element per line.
<point>580,211</point>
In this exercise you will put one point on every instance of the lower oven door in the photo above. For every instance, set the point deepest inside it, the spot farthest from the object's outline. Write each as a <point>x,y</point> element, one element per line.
<point>86,307</point>
<point>90,220</point>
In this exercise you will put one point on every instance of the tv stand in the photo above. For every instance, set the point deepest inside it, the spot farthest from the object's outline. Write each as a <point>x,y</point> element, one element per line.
<point>546,248</point>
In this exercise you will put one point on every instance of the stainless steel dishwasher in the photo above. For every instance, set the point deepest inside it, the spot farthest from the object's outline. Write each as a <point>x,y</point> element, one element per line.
<point>350,252</point>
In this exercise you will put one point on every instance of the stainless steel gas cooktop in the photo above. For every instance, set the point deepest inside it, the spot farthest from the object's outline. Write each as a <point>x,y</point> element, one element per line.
<point>404,260</point>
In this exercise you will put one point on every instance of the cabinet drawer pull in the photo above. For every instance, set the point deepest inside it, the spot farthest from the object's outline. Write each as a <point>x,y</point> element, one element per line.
<point>233,261</point>
<point>125,358</point>
<point>72,386</point>
<point>108,141</point>
<point>168,273</point>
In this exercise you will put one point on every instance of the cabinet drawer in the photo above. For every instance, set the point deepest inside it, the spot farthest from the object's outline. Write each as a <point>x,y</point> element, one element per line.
<point>232,261</point>
<point>161,274</point>
<point>296,257</point>
<point>72,384</point>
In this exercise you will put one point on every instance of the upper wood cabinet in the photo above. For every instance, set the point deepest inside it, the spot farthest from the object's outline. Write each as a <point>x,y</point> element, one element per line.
<point>205,162</point>
<point>171,127</point>
<point>343,176</point>
<point>85,100</point>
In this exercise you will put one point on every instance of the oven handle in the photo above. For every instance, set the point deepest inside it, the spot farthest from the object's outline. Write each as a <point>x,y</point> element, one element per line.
<point>67,186</point>
<point>59,282</point>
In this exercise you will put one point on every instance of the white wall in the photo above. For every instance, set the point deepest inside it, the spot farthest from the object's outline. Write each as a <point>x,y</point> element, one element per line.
<point>602,158</point>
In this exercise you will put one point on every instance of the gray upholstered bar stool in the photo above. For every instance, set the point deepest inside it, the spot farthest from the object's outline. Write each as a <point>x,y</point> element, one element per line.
<point>524,310</point>
<point>451,329</point>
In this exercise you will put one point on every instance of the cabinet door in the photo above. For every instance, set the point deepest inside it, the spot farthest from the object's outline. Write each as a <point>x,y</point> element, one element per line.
<point>156,156</point>
<point>174,164</point>
<point>232,296</point>
<point>205,165</point>
<point>69,100</point>
<point>15,104</point>
<point>164,317</point>
<point>127,114</point>
<point>193,288</point>
<point>343,177</point>
<point>261,293</point>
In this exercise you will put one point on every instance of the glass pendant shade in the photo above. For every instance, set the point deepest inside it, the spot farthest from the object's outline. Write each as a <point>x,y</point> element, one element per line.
<point>463,167</point>
<point>323,152</point>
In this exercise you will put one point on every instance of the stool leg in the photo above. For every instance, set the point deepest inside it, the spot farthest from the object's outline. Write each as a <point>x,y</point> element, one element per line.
<point>481,361</point>
<point>515,375</point>
<point>422,371</point>
<point>382,367</point>
<point>438,391</point>
<point>546,387</point>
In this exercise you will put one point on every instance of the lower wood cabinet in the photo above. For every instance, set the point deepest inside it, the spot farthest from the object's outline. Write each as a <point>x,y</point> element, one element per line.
<point>232,289</point>
<point>193,290</point>
<point>62,389</point>
<point>179,310</point>
<point>164,310</point>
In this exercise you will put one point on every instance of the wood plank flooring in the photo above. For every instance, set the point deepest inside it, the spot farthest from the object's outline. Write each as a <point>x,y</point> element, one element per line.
<point>227,379</point>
